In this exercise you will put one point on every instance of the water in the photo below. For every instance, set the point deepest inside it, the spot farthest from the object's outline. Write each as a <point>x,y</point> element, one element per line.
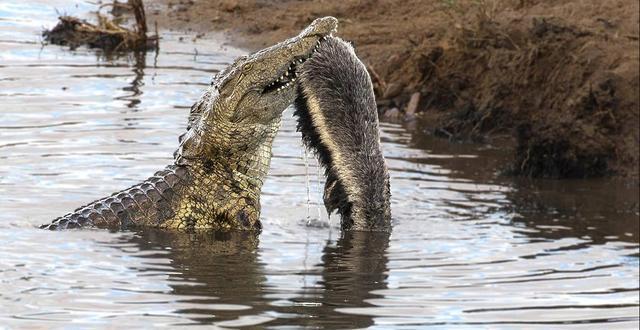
<point>469,249</point>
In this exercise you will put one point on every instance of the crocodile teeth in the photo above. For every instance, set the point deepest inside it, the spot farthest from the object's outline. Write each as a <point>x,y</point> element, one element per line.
<point>289,76</point>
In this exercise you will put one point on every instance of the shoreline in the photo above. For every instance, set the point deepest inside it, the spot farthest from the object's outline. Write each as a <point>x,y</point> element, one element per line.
<point>557,83</point>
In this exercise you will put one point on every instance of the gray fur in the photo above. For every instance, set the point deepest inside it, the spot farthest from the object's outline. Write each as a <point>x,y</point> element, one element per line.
<point>358,183</point>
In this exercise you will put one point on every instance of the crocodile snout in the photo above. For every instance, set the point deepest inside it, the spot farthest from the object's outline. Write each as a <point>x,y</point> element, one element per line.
<point>321,27</point>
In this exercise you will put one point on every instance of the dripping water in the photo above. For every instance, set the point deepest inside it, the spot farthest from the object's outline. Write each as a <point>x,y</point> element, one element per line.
<point>319,198</point>
<point>307,183</point>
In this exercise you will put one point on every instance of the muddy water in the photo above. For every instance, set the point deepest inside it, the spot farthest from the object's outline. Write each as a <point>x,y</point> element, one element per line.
<point>469,248</point>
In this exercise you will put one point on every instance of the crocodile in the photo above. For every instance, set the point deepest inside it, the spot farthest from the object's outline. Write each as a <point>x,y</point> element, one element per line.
<point>223,157</point>
<point>338,118</point>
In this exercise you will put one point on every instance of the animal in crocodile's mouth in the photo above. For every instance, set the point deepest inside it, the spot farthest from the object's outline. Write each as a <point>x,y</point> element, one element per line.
<point>224,156</point>
<point>338,118</point>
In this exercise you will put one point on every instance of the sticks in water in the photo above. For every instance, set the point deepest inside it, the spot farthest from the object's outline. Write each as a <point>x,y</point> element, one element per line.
<point>107,34</point>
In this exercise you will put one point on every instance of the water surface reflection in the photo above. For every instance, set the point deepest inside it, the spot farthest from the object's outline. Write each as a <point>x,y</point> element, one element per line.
<point>221,277</point>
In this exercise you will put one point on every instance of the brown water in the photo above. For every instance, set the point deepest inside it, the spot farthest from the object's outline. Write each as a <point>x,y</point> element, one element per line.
<point>469,249</point>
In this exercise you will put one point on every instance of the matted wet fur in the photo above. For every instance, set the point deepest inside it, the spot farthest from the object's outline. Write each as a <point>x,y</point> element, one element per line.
<point>338,118</point>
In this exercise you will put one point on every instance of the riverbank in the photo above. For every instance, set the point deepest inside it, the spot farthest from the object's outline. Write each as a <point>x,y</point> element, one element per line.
<point>557,81</point>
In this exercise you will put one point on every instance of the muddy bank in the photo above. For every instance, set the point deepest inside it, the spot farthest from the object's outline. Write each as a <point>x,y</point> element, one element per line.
<point>556,80</point>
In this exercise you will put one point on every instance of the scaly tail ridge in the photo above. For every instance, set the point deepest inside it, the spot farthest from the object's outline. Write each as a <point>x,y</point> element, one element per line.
<point>150,203</point>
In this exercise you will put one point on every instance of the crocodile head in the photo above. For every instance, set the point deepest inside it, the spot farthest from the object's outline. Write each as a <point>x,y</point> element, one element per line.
<point>240,112</point>
<point>338,118</point>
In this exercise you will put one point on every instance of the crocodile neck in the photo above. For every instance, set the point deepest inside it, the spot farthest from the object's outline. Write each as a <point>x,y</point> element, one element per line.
<point>223,191</point>
<point>219,196</point>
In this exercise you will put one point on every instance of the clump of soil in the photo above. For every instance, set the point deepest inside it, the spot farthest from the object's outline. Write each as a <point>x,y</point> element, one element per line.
<point>107,34</point>
<point>567,94</point>
<point>558,78</point>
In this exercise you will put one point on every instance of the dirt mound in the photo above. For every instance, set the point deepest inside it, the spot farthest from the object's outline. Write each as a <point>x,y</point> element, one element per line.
<point>572,102</point>
<point>560,78</point>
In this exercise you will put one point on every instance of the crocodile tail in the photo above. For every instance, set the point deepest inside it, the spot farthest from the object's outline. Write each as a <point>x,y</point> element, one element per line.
<point>150,203</point>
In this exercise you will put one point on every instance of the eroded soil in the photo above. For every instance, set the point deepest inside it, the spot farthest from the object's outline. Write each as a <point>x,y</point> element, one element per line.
<point>556,80</point>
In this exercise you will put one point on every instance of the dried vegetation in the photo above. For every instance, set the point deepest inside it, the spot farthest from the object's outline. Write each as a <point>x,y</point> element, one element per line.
<point>108,34</point>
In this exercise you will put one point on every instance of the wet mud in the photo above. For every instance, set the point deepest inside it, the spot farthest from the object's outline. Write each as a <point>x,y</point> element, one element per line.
<point>554,81</point>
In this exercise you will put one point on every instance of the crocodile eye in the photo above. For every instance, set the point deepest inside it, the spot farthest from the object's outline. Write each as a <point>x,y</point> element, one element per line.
<point>247,67</point>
